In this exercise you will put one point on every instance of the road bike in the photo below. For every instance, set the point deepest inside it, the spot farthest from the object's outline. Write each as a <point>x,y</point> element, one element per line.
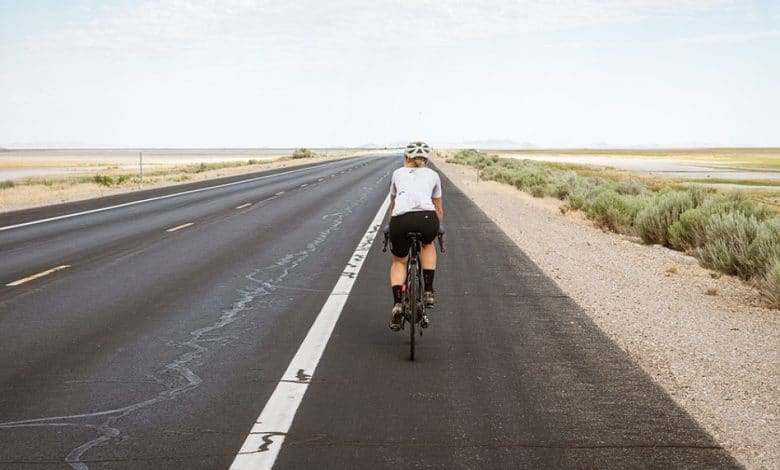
<point>414,306</point>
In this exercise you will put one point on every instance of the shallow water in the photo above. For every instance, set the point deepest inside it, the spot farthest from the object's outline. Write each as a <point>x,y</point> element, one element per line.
<point>662,168</point>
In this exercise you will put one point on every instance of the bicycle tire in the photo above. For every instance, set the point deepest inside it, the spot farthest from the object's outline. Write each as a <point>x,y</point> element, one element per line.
<point>414,301</point>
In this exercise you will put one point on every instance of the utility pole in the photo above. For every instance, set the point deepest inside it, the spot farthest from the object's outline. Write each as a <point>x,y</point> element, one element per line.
<point>141,165</point>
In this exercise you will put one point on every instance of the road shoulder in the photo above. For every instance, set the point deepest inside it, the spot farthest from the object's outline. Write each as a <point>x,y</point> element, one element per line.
<point>716,355</point>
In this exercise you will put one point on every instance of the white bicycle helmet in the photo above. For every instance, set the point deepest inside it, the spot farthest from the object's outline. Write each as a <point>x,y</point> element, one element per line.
<point>417,150</point>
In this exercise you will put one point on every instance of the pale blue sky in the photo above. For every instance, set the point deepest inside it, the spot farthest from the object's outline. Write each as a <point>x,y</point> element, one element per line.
<point>258,73</point>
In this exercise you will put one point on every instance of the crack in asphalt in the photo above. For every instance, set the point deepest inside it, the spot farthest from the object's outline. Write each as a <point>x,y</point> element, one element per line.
<point>182,365</point>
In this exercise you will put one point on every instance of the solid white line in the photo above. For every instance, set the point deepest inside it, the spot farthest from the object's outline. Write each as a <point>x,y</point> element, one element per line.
<point>39,275</point>
<point>132,203</point>
<point>265,439</point>
<point>180,227</point>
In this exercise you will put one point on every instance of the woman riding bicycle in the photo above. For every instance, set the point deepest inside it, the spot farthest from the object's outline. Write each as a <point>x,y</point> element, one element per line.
<point>415,206</point>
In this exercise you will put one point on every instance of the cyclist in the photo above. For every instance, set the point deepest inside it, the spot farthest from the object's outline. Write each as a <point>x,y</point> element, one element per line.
<point>415,206</point>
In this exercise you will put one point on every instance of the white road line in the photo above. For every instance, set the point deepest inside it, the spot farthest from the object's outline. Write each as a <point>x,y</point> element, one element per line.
<point>132,203</point>
<point>279,193</point>
<point>244,205</point>
<point>180,227</point>
<point>39,275</point>
<point>304,185</point>
<point>266,437</point>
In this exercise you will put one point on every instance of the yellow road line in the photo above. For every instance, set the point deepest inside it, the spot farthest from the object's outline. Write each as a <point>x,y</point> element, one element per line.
<point>180,227</point>
<point>39,275</point>
<point>244,205</point>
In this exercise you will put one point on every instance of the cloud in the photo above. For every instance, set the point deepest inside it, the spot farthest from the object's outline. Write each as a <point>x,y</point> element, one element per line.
<point>160,27</point>
<point>730,38</point>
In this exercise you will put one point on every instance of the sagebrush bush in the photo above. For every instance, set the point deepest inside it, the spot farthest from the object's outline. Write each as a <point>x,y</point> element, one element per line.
<point>769,286</point>
<point>7,184</point>
<point>104,180</point>
<point>653,222</point>
<point>302,153</point>
<point>728,242</point>
<point>738,201</point>
<point>537,191</point>
<point>688,233</point>
<point>615,212</point>
<point>764,250</point>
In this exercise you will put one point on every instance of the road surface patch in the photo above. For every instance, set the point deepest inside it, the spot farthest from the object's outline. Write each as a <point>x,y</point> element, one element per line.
<point>259,450</point>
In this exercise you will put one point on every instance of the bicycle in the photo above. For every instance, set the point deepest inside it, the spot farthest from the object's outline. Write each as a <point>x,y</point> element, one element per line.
<point>414,306</point>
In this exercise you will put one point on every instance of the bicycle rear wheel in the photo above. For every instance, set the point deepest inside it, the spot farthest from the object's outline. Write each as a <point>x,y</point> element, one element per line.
<point>413,288</point>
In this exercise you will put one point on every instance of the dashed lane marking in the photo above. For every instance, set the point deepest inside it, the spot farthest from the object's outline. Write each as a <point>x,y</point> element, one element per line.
<point>158,198</point>
<point>180,227</point>
<point>242,206</point>
<point>280,193</point>
<point>37,276</point>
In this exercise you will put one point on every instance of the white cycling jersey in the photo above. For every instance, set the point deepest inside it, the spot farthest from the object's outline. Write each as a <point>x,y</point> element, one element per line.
<point>413,189</point>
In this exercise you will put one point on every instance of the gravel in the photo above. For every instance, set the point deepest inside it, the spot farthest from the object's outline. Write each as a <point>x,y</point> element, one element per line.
<point>707,341</point>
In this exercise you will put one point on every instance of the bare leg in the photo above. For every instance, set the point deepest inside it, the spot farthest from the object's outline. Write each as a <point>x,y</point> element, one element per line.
<point>398,271</point>
<point>428,256</point>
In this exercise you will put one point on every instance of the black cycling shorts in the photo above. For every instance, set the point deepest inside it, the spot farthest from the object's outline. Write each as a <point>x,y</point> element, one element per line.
<point>424,222</point>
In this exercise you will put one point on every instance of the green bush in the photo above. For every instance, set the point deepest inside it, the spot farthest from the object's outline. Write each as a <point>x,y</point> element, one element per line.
<point>537,191</point>
<point>727,246</point>
<point>104,180</point>
<point>614,211</point>
<point>764,250</point>
<point>689,232</point>
<point>654,220</point>
<point>6,184</point>
<point>769,287</point>
<point>303,153</point>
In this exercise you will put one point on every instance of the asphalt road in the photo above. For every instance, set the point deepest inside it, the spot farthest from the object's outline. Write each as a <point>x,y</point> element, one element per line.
<point>160,348</point>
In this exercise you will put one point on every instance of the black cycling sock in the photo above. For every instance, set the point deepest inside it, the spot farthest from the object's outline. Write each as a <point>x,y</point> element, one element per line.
<point>398,294</point>
<point>428,279</point>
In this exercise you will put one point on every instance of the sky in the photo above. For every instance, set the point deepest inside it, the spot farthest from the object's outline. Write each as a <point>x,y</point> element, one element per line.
<point>267,73</point>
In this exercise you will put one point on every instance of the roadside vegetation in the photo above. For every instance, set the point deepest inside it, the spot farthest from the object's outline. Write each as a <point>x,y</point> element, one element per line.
<point>728,232</point>
<point>303,153</point>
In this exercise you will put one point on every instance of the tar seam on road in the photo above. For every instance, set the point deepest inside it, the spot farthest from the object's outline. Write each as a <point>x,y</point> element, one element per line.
<point>37,276</point>
<point>259,451</point>
<point>132,203</point>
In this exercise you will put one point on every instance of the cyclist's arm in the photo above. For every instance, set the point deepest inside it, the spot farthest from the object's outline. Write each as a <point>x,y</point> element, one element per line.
<point>390,210</point>
<point>437,206</point>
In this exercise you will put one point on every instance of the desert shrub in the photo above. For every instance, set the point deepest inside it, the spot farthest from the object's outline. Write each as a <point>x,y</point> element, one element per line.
<point>252,161</point>
<point>6,184</point>
<point>631,187</point>
<point>739,201</point>
<point>764,250</point>
<point>698,194</point>
<point>122,178</point>
<point>727,246</point>
<point>103,180</point>
<point>303,153</point>
<point>769,286</point>
<point>538,191</point>
<point>688,233</point>
<point>654,220</point>
<point>614,211</point>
